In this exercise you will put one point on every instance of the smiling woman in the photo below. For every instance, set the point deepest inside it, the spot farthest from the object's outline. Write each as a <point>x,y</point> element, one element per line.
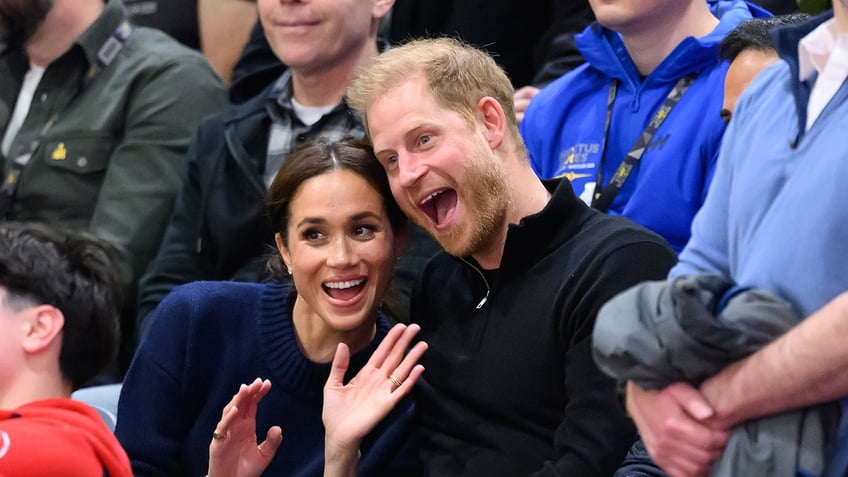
<point>338,231</point>
<point>338,234</point>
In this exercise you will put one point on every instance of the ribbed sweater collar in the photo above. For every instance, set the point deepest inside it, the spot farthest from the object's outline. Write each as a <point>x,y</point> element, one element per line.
<point>287,365</point>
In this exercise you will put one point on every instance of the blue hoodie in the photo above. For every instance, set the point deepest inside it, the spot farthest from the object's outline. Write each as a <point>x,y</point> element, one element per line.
<point>564,125</point>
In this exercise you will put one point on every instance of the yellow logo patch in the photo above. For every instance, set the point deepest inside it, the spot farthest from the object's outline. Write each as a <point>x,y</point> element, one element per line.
<point>572,175</point>
<point>60,153</point>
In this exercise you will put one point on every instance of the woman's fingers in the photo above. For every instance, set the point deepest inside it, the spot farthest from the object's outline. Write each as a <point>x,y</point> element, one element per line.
<point>407,384</point>
<point>403,371</point>
<point>394,347</point>
<point>341,360</point>
<point>273,439</point>
<point>246,399</point>
<point>235,401</point>
<point>387,345</point>
<point>389,366</point>
<point>256,391</point>
<point>398,351</point>
<point>222,429</point>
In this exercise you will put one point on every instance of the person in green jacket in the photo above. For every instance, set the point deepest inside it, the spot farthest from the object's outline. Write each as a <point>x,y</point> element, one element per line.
<point>96,116</point>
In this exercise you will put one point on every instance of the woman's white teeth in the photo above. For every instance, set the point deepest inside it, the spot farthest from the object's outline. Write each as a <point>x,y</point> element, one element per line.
<point>343,285</point>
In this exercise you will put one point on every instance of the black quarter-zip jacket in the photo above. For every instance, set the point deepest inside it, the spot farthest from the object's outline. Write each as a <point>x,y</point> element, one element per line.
<point>510,387</point>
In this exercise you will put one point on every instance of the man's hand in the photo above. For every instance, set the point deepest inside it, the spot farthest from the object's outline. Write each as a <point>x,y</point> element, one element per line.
<point>234,451</point>
<point>675,426</point>
<point>521,99</point>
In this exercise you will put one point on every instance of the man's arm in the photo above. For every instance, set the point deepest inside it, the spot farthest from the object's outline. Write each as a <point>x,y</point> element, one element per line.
<point>808,365</point>
<point>143,175</point>
<point>595,434</point>
<point>708,250</point>
<point>686,429</point>
<point>674,426</point>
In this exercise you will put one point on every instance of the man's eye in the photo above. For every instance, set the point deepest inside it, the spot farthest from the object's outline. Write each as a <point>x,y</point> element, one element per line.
<point>424,139</point>
<point>391,159</point>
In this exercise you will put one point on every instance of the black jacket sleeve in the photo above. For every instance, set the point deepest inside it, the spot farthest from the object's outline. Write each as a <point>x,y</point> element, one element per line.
<point>597,426</point>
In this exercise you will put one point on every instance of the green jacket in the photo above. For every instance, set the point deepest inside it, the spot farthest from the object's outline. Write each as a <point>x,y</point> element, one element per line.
<point>112,161</point>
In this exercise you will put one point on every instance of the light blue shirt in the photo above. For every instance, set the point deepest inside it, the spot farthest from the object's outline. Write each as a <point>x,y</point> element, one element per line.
<point>774,216</point>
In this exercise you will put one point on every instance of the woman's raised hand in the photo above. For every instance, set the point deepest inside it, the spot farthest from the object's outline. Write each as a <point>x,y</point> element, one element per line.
<point>234,451</point>
<point>351,410</point>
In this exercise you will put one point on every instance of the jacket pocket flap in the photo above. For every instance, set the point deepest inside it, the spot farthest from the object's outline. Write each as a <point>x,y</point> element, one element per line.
<point>79,154</point>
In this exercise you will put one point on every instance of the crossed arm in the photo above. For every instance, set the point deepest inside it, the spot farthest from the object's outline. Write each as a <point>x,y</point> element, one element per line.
<point>685,429</point>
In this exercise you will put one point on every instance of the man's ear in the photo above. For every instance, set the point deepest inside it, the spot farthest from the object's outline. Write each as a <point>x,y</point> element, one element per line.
<point>381,8</point>
<point>490,115</point>
<point>44,324</point>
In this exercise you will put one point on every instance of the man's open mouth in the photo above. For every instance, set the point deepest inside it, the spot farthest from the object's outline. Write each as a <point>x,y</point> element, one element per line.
<point>439,205</point>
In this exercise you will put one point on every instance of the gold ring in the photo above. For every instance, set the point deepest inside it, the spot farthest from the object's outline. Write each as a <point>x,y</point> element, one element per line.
<point>217,436</point>
<point>394,380</point>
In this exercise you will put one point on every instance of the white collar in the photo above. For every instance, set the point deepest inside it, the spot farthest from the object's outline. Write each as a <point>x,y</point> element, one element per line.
<point>815,49</point>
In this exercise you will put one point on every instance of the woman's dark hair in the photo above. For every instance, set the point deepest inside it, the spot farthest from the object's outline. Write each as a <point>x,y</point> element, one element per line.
<point>314,159</point>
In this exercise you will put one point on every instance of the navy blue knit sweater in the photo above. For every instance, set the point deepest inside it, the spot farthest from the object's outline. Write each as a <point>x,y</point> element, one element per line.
<point>209,337</point>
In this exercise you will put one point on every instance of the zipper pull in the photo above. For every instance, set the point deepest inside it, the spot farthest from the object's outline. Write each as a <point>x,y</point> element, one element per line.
<point>483,301</point>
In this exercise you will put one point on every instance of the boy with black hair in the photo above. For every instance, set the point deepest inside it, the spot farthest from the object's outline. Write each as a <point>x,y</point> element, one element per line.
<point>59,302</point>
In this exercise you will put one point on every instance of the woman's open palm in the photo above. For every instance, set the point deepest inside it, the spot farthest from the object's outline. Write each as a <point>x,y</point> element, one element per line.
<point>234,451</point>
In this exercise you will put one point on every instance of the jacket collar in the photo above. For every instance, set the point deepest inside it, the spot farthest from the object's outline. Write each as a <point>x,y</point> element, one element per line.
<point>786,41</point>
<point>236,112</point>
<point>101,30</point>
<point>536,235</point>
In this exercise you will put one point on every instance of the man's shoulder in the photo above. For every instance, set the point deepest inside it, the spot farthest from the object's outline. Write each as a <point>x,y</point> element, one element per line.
<point>573,223</point>
<point>617,229</point>
<point>144,40</point>
<point>558,107</point>
<point>769,92</point>
<point>54,407</point>
<point>155,75</point>
<point>441,262</point>
<point>772,79</point>
<point>600,235</point>
<point>250,119</point>
<point>150,52</point>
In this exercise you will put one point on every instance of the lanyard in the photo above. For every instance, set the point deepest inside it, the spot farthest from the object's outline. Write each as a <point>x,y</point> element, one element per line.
<point>105,55</point>
<point>602,199</point>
